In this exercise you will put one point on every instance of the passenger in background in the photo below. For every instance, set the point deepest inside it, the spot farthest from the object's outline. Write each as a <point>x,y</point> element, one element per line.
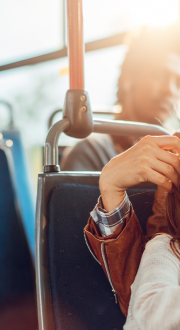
<point>148,91</point>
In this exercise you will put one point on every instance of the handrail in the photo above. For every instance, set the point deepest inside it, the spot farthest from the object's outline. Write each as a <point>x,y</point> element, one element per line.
<point>116,127</point>
<point>98,112</point>
<point>50,121</point>
<point>128,128</point>
<point>51,145</point>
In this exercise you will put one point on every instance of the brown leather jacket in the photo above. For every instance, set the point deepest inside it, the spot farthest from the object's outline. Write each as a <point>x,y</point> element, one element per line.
<point>120,253</point>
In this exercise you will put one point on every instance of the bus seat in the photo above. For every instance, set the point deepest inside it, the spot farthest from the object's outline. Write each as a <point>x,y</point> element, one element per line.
<point>22,182</point>
<point>72,289</point>
<point>17,285</point>
<point>23,187</point>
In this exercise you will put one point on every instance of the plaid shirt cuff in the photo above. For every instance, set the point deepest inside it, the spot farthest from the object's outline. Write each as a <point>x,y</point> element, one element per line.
<point>108,222</point>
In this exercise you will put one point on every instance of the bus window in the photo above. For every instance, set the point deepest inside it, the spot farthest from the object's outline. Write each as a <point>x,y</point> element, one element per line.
<point>115,16</point>
<point>24,29</point>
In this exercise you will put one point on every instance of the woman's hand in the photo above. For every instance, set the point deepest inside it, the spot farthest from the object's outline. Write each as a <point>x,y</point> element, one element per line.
<point>145,161</point>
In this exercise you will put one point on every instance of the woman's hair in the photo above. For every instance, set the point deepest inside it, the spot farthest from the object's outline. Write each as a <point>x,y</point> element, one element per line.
<point>173,219</point>
<point>144,48</point>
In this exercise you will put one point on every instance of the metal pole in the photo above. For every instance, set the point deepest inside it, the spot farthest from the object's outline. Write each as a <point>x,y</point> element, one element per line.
<point>51,145</point>
<point>117,127</point>
<point>128,128</point>
<point>75,43</point>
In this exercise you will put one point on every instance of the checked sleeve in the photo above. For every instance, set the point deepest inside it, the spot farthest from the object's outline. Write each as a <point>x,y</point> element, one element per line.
<point>108,222</point>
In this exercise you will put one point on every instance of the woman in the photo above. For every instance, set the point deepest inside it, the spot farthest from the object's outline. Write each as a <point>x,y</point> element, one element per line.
<point>113,231</point>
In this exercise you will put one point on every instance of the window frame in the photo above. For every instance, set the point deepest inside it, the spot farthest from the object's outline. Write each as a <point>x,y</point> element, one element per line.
<point>111,41</point>
<point>90,46</point>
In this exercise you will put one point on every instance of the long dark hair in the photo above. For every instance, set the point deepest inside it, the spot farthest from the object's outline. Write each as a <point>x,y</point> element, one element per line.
<point>173,218</point>
<point>141,54</point>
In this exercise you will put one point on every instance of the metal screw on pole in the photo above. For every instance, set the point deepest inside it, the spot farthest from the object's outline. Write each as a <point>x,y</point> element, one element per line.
<point>84,109</point>
<point>83,98</point>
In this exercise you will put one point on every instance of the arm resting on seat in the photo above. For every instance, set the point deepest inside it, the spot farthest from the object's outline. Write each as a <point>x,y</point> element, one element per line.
<point>122,252</point>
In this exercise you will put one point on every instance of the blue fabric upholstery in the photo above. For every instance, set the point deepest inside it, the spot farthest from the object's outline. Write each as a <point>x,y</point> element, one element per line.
<point>16,277</point>
<point>24,194</point>
<point>81,294</point>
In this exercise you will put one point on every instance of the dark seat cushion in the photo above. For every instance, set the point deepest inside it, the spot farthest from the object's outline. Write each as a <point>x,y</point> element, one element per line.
<point>81,294</point>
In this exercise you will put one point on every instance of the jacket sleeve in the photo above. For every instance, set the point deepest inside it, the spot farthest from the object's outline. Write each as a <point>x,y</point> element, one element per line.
<point>119,254</point>
<point>124,248</point>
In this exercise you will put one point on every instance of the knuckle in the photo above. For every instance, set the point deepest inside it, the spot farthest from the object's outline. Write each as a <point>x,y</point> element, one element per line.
<point>170,170</point>
<point>148,140</point>
<point>146,148</point>
<point>175,160</point>
<point>162,179</point>
<point>145,160</point>
<point>142,170</point>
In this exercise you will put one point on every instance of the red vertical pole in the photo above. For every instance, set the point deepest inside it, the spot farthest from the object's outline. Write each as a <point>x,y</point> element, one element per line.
<point>75,44</point>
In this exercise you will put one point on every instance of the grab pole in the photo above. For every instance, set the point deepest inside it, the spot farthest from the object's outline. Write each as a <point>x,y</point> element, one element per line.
<point>75,43</point>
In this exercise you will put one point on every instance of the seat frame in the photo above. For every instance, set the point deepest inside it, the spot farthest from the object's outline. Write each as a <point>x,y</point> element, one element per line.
<point>46,183</point>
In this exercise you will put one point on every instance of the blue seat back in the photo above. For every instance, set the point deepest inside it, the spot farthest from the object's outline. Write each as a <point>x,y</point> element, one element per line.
<point>16,276</point>
<point>23,190</point>
<point>81,295</point>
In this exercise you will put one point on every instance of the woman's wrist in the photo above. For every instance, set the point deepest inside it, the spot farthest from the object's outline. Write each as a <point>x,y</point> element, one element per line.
<point>111,198</point>
<point>112,195</point>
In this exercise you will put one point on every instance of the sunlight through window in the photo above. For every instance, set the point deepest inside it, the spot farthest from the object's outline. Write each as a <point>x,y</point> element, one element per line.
<point>104,18</point>
<point>29,28</point>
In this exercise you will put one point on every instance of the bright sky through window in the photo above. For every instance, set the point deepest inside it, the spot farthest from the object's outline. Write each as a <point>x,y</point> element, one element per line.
<point>156,12</point>
<point>34,27</point>
<point>29,28</point>
<point>103,18</point>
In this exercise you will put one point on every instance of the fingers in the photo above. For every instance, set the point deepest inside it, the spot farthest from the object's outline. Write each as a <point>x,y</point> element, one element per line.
<point>165,142</point>
<point>159,179</point>
<point>169,158</point>
<point>166,170</point>
<point>163,161</point>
